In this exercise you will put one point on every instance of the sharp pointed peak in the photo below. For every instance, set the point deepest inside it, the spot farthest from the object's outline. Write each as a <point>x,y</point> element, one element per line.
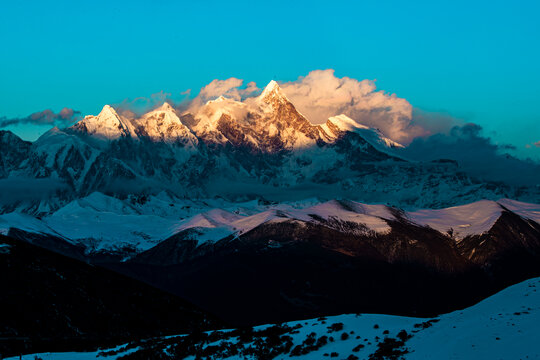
<point>272,91</point>
<point>108,110</point>
<point>272,86</point>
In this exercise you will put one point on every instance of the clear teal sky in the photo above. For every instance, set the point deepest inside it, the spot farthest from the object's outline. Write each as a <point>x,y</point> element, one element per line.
<point>476,60</point>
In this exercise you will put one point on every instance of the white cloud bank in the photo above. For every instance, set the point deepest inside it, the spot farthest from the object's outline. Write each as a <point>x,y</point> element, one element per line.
<point>321,94</point>
<point>230,88</point>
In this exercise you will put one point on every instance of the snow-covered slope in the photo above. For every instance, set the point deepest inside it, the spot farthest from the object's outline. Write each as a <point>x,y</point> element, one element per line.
<point>500,327</point>
<point>23,222</point>
<point>212,117</point>
<point>528,211</point>
<point>108,231</point>
<point>104,223</point>
<point>464,220</point>
<point>371,216</point>
<point>62,155</point>
<point>336,126</point>
<point>503,326</point>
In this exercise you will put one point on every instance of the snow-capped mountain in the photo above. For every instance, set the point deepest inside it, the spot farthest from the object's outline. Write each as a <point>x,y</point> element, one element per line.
<point>258,148</point>
<point>108,125</point>
<point>268,123</point>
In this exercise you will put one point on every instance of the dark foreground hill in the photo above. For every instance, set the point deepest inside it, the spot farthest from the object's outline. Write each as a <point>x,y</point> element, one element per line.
<point>292,269</point>
<point>52,302</point>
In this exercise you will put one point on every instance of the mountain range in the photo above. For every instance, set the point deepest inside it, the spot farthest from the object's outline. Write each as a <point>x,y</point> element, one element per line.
<point>259,148</point>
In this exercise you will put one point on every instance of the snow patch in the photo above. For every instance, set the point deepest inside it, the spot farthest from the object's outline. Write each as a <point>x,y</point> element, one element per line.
<point>525,210</point>
<point>464,220</point>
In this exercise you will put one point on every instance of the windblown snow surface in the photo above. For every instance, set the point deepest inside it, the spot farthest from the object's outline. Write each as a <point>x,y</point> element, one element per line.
<point>504,326</point>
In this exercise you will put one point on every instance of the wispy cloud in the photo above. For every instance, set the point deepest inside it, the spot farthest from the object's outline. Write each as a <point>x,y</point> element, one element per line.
<point>63,118</point>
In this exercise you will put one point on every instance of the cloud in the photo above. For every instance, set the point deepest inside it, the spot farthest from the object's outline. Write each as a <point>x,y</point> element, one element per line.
<point>434,122</point>
<point>221,87</point>
<point>476,155</point>
<point>535,144</point>
<point>321,94</point>
<point>230,88</point>
<point>131,108</point>
<point>64,118</point>
<point>16,190</point>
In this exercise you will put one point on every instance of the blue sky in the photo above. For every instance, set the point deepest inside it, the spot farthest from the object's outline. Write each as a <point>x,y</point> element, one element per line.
<point>475,60</point>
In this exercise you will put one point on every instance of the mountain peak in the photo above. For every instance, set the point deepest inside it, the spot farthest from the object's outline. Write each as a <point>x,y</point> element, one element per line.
<point>164,111</point>
<point>107,125</point>
<point>163,124</point>
<point>272,85</point>
<point>109,116</point>
<point>165,107</point>
<point>272,90</point>
<point>108,111</point>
